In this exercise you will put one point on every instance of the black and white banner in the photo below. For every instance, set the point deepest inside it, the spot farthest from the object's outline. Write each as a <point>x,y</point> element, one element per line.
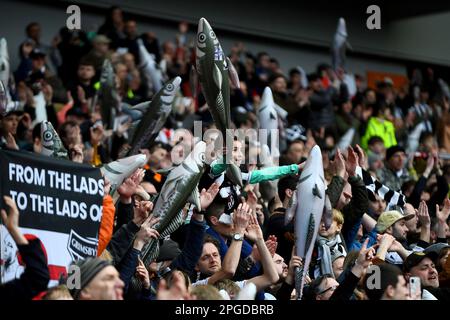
<point>59,201</point>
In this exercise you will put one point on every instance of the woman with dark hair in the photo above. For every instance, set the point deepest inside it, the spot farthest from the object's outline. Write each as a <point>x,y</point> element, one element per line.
<point>113,26</point>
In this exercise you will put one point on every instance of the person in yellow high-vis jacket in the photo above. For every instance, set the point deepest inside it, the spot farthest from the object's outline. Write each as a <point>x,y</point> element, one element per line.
<point>378,126</point>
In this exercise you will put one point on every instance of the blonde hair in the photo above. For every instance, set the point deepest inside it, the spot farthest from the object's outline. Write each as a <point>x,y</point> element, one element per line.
<point>58,293</point>
<point>206,292</point>
<point>105,255</point>
<point>229,286</point>
<point>338,217</point>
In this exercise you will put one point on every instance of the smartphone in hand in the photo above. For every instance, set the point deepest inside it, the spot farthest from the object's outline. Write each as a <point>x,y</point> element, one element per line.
<point>414,287</point>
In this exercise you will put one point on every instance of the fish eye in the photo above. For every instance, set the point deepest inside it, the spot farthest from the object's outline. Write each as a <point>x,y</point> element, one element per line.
<point>169,87</point>
<point>202,37</point>
<point>48,136</point>
<point>212,34</point>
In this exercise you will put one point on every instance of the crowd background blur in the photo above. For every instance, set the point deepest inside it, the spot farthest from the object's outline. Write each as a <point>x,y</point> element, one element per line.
<point>403,131</point>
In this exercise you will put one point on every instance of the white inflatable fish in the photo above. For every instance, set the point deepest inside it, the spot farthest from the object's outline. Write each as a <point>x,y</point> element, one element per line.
<point>340,44</point>
<point>39,105</point>
<point>4,62</point>
<point>149,67</point>
<point>312,203</point>
<point>269,120</point>
<point>414,137</point>
<point>303,77</point>
<point>345,141</point>
<point>117,171</point>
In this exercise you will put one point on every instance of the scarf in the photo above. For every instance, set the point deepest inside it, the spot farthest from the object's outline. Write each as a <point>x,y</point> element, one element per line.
<point>328,249</point>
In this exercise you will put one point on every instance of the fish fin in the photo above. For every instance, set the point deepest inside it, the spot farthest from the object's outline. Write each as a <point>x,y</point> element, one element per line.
<point>194,198</point>
<point>232,73</point>
<point>193,81</point>
<point>273,116</point>
<point>142,107</point>
<point>291,210</point>
<point>280,111</point>
<point>217,76</point>
<point>327,212</point>
<point>316,191</point>
<point>164,171</point>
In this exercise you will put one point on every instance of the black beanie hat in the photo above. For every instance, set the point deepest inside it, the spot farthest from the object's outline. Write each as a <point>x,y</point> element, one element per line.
<point>390,151</point>
<point>89,268</point>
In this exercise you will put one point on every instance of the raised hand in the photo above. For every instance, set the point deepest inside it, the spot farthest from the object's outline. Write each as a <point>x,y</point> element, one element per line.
<point>142,274</point>
<point>339,164</point>
<point>395,246</point>
<point>128,187</point>
<point>11,142</point>
<point>443,214</point>
<point>145,233</point>
<point>423,214</point>
<point>11,221</point>
<point>385,240</point>
<point>76,154</point>
<point>272,244</point>
<point>384,243</point>
<point>142,211</point>
<point>252,200</point>
<point>253,231</point>
<point>107,186</point>
<point>361,156</point>
<point>207,196</point>
<point>295,262</point>
<point>241,218</point>
<point>352,162</point>
<point>364,259</point>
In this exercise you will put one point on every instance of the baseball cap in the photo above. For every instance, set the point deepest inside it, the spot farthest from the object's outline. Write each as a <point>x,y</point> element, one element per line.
<point>436,248</point>
<point>388,218</point>
<point>416,257</point>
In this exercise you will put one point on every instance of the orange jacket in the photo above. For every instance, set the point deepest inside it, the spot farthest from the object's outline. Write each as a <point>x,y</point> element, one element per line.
<point>107,224</point>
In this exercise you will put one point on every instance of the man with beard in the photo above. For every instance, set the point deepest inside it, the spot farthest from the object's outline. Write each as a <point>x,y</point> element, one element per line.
<point>394,223</point>
<point>282,290</point>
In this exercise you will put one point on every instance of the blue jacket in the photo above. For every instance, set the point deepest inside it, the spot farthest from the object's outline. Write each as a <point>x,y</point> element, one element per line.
<point>193,247</point>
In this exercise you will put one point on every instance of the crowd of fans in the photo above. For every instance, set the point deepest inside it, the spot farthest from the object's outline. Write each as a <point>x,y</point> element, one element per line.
<point>210,257</point>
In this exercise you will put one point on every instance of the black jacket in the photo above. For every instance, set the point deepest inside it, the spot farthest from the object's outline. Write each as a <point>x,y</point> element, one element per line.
<point>33,280</point>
